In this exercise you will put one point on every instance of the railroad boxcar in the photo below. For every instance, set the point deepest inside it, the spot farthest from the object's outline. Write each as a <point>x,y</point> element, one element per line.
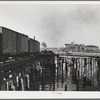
<point>12,42</point>
<point>37,46</point>
<point>34,46</point>
<point>36,50</point>
<point>7,41</point>
<point>18,42</point>
<point>24,44</point>
<point>15,44</point>
<point>31,45</point>
<point>0,41</point>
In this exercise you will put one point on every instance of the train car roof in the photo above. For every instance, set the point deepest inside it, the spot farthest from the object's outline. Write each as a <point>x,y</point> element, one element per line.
<point>13,30</point>
<point>17,32</point>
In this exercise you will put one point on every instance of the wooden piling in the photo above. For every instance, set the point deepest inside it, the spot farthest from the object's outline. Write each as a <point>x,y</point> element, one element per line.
<point>62,71</point>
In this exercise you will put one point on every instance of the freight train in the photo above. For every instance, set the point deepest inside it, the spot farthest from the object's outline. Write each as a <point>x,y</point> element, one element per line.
<point>14,44</point>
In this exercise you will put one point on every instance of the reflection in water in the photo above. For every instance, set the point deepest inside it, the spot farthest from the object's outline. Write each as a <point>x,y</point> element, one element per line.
<point>73,74</point>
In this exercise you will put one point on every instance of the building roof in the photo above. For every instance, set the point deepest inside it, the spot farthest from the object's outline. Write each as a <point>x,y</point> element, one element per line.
<point>92,46</point>
<point>67,44</point>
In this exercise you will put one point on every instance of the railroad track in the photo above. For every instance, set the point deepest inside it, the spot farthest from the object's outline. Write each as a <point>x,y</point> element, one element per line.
<point>12,63</point>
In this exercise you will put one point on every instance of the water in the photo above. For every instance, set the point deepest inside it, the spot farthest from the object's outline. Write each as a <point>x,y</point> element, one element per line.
<point>73,78</point>
<point>71,74</point>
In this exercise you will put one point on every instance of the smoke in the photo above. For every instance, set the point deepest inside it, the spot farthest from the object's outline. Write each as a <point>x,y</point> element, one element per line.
<point>54,24</point>
<point>76,24</point>
<point>55,27</point>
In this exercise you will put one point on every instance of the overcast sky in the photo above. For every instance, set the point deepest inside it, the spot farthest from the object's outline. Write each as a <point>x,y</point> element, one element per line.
<point>55,24</point>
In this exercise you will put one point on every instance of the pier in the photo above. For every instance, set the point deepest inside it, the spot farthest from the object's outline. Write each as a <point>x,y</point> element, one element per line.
<point>47,71</point>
